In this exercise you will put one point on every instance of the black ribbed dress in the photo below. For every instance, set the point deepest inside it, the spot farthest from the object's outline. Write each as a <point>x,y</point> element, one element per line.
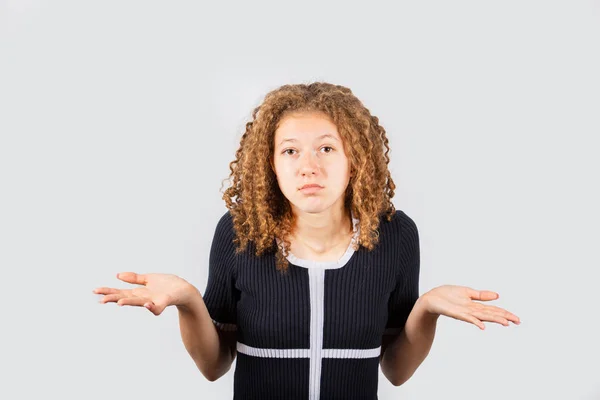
<point>314,332</point>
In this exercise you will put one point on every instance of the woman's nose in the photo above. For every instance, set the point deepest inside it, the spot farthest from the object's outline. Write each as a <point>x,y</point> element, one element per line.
<point>309,163</point>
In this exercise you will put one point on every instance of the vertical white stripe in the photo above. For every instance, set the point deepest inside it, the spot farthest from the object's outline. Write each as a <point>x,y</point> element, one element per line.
<point>317,303</point>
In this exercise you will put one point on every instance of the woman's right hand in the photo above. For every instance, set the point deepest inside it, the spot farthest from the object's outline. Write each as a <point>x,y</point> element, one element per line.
<point>157,291</point>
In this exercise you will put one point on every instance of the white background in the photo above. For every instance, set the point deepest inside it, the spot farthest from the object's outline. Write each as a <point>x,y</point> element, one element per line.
<point>118,120</point>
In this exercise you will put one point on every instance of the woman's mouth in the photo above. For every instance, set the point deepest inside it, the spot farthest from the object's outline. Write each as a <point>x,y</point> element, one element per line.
<point>312,188</point>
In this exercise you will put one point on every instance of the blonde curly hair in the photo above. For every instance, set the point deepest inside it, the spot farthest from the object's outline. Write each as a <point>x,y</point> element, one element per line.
<point>259,209</point>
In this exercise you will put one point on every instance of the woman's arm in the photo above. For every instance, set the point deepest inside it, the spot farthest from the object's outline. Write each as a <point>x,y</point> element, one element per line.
<point>403,354</point>
<point>212,350</point>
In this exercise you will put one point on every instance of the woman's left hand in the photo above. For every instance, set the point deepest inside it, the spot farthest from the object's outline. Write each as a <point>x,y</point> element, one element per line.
<point>457,302</point>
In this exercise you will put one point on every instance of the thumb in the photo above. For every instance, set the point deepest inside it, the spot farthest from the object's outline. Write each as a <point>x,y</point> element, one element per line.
<point>155,308</point>
<point>132,277</point>
<point>483,295</point>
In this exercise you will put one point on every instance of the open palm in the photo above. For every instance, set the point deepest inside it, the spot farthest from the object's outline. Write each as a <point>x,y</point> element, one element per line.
<point>156,291</point>
<point>457,302</point>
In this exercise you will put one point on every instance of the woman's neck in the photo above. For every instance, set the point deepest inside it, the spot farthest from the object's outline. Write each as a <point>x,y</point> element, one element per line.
<point>323,231</point>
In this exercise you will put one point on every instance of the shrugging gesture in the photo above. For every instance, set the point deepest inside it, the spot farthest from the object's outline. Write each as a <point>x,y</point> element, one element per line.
<point>156,291</point>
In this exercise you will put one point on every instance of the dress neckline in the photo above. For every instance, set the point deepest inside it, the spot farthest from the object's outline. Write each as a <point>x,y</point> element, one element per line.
<point>343,260</point>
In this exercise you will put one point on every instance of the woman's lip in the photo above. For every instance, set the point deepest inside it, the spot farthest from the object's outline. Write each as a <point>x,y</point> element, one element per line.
<point>310,189</point>
<point>310,186</point>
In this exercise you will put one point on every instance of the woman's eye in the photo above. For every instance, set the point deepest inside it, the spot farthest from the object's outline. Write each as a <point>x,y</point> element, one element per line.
<point>327,149</point>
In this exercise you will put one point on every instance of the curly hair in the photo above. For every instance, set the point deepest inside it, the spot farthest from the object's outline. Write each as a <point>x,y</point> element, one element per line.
<point>259,210</point>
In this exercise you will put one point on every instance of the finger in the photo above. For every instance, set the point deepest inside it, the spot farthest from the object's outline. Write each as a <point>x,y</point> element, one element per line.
<point>111,298</point>
<point>504,313</point>
<point>473,320</point>
<point>132,277</point>
<point>483,295</point>
<point>158,307</point>
<point>490,317</point>
<point>132,301</point>
<point>154,309</point>
<point>106,290</point>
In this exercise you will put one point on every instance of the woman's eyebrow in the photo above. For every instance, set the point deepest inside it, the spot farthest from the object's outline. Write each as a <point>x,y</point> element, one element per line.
<point>327,135</point>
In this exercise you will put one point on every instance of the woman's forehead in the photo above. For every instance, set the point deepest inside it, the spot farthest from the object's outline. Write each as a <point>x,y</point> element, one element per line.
<point>306,127</point>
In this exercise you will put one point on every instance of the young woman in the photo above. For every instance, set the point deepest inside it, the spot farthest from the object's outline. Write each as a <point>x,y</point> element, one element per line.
<point>313,274</point>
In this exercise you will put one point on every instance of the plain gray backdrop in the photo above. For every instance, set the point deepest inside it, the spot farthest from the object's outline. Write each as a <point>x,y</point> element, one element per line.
<point>118,120</point>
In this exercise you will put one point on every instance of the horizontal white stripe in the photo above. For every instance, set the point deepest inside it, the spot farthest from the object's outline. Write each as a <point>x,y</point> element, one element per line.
<point>272,353</point>
<point>305,353</point>
<point>351,353</point>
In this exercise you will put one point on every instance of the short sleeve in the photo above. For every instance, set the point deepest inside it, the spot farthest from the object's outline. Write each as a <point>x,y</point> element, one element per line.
<point>406,291</point>
<point>221,294</point>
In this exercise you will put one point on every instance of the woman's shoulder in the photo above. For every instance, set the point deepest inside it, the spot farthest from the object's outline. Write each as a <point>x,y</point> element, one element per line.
<point>226,220</point>
<point>400,222</point>
<point>224,231</point>
<point>400,232</point>
<point>225,223</point>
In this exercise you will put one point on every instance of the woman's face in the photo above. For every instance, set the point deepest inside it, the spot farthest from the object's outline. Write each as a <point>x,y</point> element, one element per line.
<point>308,150</point>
